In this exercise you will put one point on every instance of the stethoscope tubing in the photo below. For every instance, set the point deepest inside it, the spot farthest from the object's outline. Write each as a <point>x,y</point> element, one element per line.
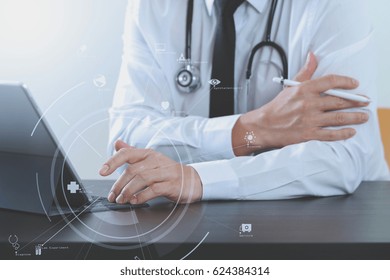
<point>194,72</point>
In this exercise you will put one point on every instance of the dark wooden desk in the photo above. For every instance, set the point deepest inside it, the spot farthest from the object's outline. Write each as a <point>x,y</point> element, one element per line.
<point>346,227</point>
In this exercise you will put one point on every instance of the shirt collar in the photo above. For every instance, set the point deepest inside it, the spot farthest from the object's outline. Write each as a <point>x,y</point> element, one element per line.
<point>259,5</point>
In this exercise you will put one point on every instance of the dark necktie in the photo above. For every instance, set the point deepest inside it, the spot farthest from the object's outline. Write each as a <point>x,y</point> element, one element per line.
<point>222,77</point>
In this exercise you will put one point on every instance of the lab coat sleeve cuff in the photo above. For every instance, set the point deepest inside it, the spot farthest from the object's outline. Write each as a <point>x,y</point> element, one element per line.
<point>217,136</point>
<point>219,180</point>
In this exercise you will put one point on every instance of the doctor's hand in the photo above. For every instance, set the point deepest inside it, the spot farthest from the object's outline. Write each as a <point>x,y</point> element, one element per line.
<point>300,114</point>
<point>150,174</point>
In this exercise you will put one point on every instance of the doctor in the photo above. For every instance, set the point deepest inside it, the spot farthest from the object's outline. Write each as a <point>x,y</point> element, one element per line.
<point>229,137</point>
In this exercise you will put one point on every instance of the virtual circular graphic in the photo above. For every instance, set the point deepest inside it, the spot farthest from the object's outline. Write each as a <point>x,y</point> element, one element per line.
<point>103,224</point>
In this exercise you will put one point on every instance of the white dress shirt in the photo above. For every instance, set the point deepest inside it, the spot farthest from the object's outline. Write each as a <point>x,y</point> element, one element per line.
<point>149,111</point>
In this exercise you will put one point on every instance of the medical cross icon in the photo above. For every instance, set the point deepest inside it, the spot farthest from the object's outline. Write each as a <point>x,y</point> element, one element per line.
<point>73,187</point>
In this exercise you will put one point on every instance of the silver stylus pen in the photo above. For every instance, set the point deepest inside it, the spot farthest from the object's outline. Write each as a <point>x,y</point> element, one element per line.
<point>333,92</point>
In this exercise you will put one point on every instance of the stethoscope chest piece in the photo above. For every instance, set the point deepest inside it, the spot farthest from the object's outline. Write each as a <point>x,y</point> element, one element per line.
<point>188,79</point>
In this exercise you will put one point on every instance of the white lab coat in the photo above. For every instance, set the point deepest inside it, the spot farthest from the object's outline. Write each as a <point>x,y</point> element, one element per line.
<point>149,111</point>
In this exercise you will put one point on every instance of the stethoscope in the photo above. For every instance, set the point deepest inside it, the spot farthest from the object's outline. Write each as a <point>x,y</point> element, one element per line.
<point>188,77</point>
<point>13,240</point>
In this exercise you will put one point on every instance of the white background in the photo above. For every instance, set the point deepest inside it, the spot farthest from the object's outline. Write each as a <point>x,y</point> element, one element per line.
<point>59,47</point>
<point>278,270</point>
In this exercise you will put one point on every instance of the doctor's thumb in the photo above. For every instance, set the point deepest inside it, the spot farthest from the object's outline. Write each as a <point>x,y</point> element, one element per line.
<point>308,69</point>
<point>119,144</point>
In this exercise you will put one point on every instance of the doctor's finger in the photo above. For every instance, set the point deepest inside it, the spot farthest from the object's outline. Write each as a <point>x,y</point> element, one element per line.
<point>119,184</point>
<point>149,193</point>
<point>119,144</point>
<point>124,155</point>
<point>139,183</point>
<point>128,174</point>
<point>308,69</point>
<point>332,103</point>
<point>334,135</point>
<point>343,118</point>
<point>328,82</point>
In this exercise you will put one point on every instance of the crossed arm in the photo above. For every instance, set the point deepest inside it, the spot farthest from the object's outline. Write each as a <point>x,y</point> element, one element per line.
<point>296,115</point>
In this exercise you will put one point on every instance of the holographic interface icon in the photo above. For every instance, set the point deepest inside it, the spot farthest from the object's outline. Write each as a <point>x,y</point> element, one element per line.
<point>13,240</point>
<point>250,138</point>
<point>73,187</point>
<point>38,250</point>
<point>82,50</point>
<point>100,81</point>
<point>246,228</point>
<point>182,59</point>
<point>165,105</point>
<point>160,47</point>
<point>214,82</point>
